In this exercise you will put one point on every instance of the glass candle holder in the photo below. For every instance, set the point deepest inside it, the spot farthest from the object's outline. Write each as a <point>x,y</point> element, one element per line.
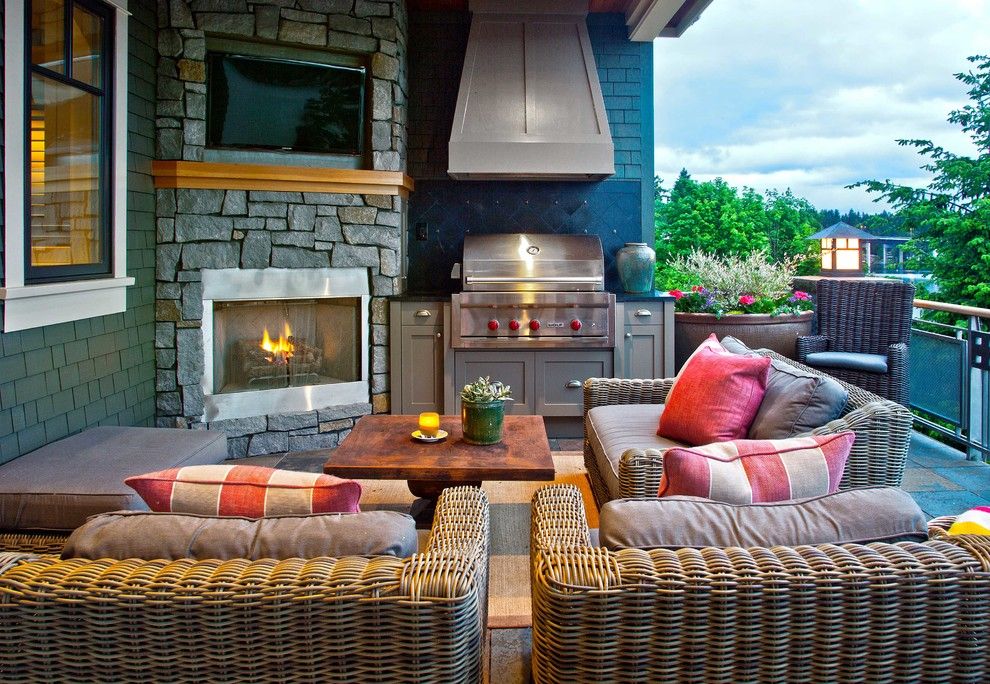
<point>429,424</point>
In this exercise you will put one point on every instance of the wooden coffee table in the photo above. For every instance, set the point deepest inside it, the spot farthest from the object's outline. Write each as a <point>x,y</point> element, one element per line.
<point>380,447</point>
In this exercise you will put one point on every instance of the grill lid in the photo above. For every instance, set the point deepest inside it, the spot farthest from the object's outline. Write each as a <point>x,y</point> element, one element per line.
<point>531,262</point>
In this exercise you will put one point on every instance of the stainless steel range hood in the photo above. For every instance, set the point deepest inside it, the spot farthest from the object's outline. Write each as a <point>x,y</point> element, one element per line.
<point>530,105</point>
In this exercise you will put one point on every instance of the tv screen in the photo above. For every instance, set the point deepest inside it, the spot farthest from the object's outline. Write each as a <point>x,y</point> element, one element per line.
<point>279,104</point>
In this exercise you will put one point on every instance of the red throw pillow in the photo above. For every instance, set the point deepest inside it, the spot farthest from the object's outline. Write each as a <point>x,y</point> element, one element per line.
<point>248,491</point>
<point>757,471</point>
<point>715,397</point>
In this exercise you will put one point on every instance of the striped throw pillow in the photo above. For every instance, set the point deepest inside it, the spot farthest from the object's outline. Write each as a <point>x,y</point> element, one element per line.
<point>756,471</point>
<point>248,491</point>
<point>974,521</point>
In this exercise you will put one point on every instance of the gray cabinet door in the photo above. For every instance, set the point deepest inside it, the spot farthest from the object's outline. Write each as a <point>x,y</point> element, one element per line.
<point>421,368</point>
<point>640,350</point>
<point>511,368</point>
<point>560,378</point>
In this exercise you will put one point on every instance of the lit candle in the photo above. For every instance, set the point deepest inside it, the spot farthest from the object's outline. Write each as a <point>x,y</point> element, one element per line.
<point>429,424</point>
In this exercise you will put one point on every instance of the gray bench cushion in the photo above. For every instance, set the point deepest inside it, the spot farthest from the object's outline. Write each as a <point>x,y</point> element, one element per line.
<point>61,484</point>
<point>170,536</point>
<point>860,516</point>
<point>612,430</point>
<point>870,363</point>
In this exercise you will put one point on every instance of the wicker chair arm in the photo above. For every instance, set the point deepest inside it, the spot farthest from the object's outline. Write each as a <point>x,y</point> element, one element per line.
<point>608,391</point>
<point>558,519</point>
<point>460,523</point>
<point>640,471</point>
<point>810,344</point>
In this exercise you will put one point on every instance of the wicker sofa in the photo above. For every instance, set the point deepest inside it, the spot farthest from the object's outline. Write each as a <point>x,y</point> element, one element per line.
<point>906,612</point>
<point>351,619</point>
<point>882,427</point>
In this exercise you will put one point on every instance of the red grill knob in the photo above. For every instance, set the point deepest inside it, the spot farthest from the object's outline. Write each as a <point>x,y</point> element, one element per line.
<point>513,324</point>
<point>575,325</point>
<point>493,324</point>
<point>534,324</point>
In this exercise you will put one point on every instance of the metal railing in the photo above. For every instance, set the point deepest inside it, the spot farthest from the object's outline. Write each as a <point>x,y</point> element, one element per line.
<point>950,375</point>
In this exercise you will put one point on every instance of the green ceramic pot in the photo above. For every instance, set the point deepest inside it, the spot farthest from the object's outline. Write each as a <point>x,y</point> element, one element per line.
<point>636,263</point>
<point>482,423</point>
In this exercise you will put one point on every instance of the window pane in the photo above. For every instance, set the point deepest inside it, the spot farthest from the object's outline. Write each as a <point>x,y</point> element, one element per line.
<point>87,40</point>
<point>65,184</point>
<point>48,34</point>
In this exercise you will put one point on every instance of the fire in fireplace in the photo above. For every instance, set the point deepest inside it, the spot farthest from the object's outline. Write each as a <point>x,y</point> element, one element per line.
<point>315,343</point>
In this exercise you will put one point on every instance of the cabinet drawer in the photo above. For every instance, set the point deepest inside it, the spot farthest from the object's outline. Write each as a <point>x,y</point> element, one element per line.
<point>642,313</point>
<point>560,380</point>
<point>511,368</point>
<point>422,313</point>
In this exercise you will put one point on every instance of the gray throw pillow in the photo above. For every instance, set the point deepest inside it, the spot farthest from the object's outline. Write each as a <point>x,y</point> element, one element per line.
<point>861,516</point>
<point>795,402</point>
<point>170,536</point>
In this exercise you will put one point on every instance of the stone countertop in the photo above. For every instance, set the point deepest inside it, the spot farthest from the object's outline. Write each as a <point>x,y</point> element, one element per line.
<point>654,296</point>
<point>420,297</point>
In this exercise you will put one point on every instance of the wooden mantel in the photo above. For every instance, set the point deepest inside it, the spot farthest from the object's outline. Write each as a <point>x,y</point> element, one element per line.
<point>225,176</point>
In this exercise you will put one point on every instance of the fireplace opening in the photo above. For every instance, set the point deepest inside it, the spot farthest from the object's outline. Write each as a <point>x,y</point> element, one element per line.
<point>282,343</point>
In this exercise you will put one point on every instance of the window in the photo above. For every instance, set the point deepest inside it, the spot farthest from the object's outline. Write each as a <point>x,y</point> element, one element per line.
<point>69,113</point>
<point>65,170</point>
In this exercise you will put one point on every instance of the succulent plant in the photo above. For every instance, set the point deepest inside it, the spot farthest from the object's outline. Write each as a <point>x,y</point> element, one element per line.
<point>483,390</point>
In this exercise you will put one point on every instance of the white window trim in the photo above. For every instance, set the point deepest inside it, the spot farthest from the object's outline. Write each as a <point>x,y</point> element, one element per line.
<point>32,306</point>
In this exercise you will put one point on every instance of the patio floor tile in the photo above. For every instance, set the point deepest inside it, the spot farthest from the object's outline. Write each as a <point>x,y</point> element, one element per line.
<point>948,503</point>
<point>973,479</point>
<point>930,453</point>
<point>926,480</point>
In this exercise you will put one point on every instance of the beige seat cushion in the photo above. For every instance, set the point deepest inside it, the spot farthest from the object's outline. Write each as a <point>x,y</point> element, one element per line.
<point>170,536</point>
<point>58,486</point>
<point>612,430</point>
<point>862,515</point>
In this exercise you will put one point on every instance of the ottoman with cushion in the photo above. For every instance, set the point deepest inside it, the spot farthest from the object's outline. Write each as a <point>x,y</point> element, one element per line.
<point>46,494</point>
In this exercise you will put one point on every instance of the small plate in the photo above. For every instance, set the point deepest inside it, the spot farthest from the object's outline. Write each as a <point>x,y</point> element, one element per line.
<point>420,437</point>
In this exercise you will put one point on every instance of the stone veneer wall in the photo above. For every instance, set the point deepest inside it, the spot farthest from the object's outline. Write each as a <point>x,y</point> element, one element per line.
<point>199,229</point>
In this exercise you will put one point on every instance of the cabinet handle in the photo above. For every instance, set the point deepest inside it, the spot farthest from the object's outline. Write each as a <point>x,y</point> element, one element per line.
<point>423,313</point>
<point>573,384</point>
<point>644,313</point>
<point>438,336</point>
<point>628,336</point>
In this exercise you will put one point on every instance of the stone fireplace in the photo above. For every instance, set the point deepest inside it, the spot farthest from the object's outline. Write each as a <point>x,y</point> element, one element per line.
<point>300,246</point>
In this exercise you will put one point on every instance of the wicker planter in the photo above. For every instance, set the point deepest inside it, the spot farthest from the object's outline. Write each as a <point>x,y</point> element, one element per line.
<point>758,331</point>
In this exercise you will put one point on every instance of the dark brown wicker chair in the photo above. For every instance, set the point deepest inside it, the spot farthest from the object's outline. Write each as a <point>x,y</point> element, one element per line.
<point>905,612</point>
<point>349,619</point>
<point>864,328</point>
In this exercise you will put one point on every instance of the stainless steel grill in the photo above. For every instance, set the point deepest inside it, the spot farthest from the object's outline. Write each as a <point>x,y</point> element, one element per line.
<point>522,290</point>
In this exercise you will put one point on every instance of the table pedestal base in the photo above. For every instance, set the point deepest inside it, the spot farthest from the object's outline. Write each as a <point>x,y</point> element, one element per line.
<point>428,491</point>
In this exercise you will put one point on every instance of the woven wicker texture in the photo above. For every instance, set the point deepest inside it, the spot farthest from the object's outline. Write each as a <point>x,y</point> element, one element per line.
<point>353,619</point>
<point>882,427</point>
<point>37,544</point>
<point>907,612</point>
<point>868,316</point>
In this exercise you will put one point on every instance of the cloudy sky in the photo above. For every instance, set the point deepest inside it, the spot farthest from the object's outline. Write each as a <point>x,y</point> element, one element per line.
<point>812,94</point>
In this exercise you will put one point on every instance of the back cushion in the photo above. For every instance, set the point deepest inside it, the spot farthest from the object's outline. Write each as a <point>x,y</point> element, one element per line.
<point>250,491</point>
<point>170,536</point>
<point>795,402</point>
<point>714,398</point>
<point>860,516</point>
<point>751,471</point>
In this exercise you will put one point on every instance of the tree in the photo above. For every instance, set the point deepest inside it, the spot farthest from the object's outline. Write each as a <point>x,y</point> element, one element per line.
<point>790,220</point>
<point>711,215</point>
<point>953,212</point>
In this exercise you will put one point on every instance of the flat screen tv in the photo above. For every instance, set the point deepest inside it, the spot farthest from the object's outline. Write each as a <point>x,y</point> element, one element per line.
<point>283,104</point>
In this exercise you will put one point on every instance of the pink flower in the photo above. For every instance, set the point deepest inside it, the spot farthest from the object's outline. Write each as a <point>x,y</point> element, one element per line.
<point>746,300</point>
<point>802,296</point>
<point>676,294</point>
<point>696,288</point>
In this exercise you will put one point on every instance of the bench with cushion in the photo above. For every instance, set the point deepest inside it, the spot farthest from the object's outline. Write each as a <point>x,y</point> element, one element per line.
<point>624,455</point>
<point>46,494</point>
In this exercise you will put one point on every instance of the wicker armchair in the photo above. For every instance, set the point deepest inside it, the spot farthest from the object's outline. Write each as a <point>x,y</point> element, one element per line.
<point>905,612</point>
<point>882,427</point>
<point>352,619</point>
<point>864,317</point>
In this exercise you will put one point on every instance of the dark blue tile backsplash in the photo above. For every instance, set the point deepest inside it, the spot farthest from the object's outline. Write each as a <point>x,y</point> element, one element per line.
<point>451,209</point>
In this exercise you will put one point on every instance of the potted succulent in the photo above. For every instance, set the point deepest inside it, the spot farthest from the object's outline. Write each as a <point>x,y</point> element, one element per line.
<point>748,297</point>
<point>483,410</point>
